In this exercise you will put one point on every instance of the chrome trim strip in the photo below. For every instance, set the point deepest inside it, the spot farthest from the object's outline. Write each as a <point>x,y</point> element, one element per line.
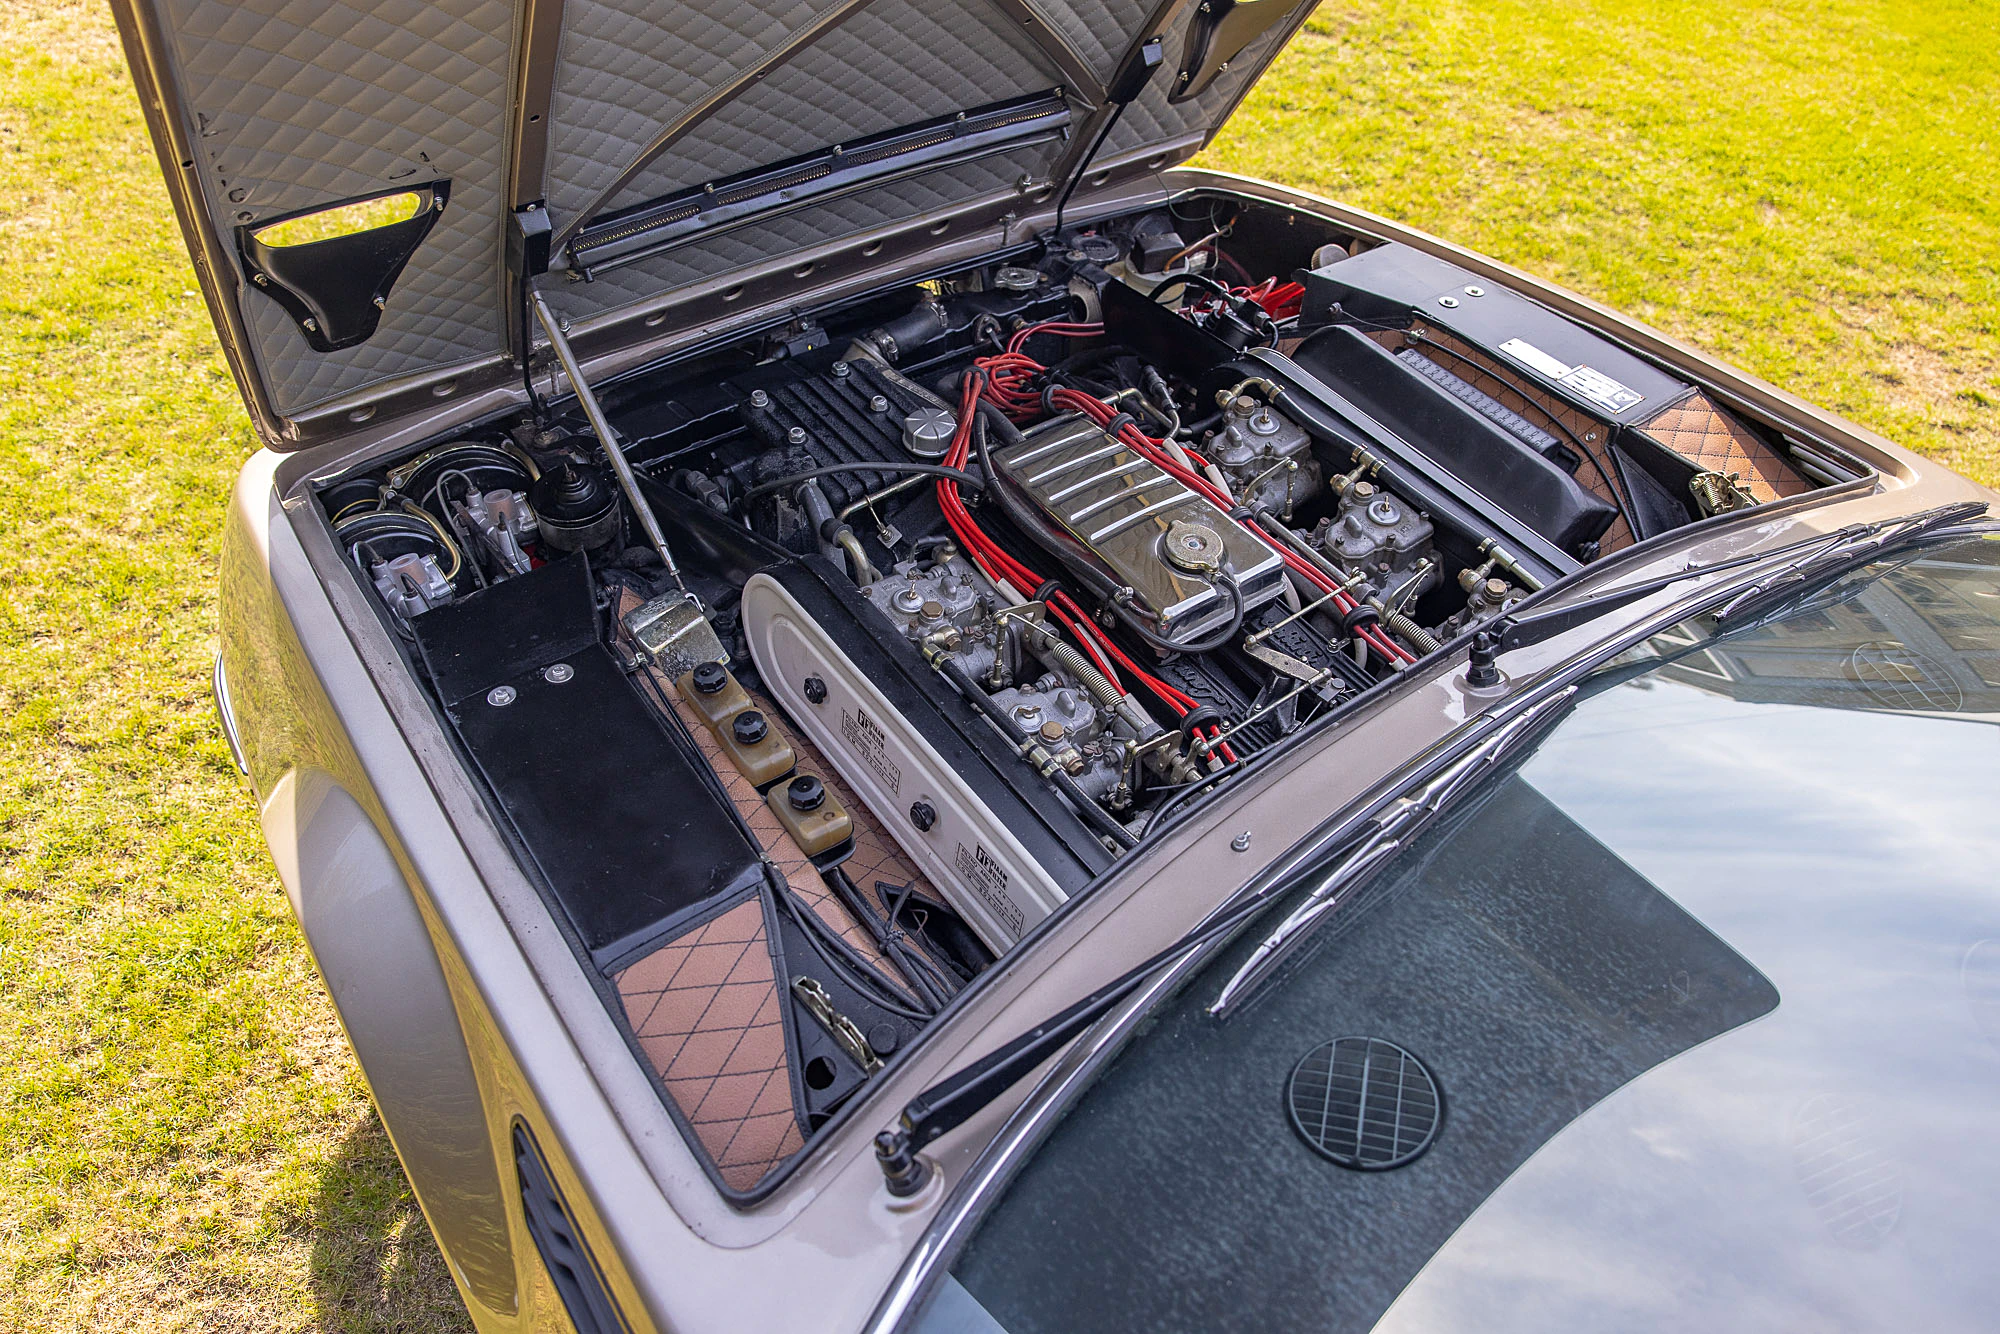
<point>1062,441</point>
<point>1089,482</point>
<point>1088,456</point>
<point>1136,492</point>
<point>1136,516</point>
<point>218,686</point>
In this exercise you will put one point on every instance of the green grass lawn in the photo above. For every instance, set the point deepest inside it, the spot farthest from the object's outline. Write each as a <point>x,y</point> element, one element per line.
<point>1806,189</point>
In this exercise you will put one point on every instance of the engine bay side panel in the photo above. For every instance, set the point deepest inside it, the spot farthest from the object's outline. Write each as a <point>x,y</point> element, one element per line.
<point>959,842</point>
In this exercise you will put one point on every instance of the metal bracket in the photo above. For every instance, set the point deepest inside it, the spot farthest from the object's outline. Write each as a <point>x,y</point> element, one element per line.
<point>336,289</point>
<point>673,635</point>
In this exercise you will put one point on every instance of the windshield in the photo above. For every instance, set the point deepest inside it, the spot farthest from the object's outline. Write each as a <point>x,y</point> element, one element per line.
<point>1704,989</point>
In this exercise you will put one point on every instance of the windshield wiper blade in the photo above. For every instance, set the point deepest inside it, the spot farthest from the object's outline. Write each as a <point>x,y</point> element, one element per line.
<point>951,1101</point>
<point>1829,562</point>
<point>1510,632</point>
<point>1395,826</point>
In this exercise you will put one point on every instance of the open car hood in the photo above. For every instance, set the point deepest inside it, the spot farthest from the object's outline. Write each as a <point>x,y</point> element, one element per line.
<point>631,148</point>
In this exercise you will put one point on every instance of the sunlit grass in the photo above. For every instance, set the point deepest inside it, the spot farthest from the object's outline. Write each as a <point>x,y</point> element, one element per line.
<point>342,220</point>
<point>184,1141</point>
<point>1809,190</point>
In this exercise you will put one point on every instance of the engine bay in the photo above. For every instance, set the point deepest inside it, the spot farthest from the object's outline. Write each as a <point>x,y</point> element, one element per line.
<point>879,634</point>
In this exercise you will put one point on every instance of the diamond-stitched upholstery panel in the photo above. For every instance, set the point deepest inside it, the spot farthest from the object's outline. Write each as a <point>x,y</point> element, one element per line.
<point>810,226</point>
<point>705,1009</point>
<point>1706,436</point>
<point>305,102</point>
<point>628,67</point>
<point>1096,28</point>
<point>895,63</point>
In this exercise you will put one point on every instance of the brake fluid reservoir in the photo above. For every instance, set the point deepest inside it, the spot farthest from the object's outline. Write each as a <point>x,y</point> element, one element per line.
<point>711,691</point>
<point>812,814</point>
<point>755,748</point>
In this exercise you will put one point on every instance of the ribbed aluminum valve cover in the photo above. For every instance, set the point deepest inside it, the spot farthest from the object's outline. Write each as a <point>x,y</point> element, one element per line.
<point>1120,511</point>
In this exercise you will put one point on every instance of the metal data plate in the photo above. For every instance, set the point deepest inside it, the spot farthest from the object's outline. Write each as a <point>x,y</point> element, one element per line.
<point>1118,509</point>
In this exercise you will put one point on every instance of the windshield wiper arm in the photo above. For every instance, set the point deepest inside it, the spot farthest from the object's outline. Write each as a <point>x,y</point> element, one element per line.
<point>950,1102</point>
<point>953,1100</point>
<point>1510,632</point>
<point>1784,583</point>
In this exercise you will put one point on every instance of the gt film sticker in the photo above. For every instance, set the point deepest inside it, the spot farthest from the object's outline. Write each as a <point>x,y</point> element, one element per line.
<point>871,743</point>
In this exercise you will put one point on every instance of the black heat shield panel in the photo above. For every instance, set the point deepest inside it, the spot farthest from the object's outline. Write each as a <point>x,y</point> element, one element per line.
<point>623,822</point>
<point>1491,460</point>
<point>1160,334</point>
<point>512,627</point>
<point>1394,284</point>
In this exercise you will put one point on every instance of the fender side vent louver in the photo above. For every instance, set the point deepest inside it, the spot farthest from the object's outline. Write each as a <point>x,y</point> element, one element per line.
<point>564,1254</point>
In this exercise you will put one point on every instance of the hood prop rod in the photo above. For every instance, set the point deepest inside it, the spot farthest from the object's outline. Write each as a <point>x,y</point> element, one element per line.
<point>600,425</point>
<point>1126,85</point>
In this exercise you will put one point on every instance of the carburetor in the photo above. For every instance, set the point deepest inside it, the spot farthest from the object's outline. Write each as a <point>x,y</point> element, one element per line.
<point>1265,456</point>
<point>1058,709</point>
<point>949,604</point>
<point>1384,539</point>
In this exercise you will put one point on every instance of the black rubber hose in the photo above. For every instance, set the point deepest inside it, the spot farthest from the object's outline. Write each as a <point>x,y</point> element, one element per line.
<point>1095,815</point>
<point>945,987</point>
<point>890,466</point>
<point>1189,430</point>
<point>1003,427</point>
<point>841,957</point>
<point>1131,621</point>
<point>887,938</point>
<point>1193,280</point>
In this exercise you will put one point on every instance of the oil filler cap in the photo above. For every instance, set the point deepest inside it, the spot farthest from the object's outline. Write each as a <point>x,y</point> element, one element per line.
<point>1194,547</point>
<point>1364,1103</point>
<point>928,433</point>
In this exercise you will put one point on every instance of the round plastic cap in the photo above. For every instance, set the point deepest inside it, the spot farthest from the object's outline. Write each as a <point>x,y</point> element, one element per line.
<point>806,793</point>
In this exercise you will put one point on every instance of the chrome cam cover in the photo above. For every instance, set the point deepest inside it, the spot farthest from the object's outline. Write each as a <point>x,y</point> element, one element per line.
<point>1119,510</point>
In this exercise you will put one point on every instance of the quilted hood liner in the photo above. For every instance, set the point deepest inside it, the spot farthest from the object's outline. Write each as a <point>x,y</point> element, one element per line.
<point>595,106</point>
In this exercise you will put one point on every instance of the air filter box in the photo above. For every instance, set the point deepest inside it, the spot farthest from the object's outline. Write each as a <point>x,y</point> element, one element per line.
<point>1395,285</point>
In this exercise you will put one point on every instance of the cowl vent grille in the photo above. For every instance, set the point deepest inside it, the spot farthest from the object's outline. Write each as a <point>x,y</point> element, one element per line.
<point>1364,1103</point>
